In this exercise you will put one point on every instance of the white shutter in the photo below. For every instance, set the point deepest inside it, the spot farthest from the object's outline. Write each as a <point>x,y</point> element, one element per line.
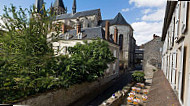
<point>174,70</point>
<point>173,30</point>
<point>181,73</point>
<point>177,21</point>
<point>184,20</point>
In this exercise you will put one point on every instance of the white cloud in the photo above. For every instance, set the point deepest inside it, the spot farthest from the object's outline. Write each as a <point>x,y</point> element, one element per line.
<point>125,10</point>
<point>146,11</point>
<point>137,19</point>
<point>158,15</point>
<point>151,20</point>
<point>143,31</point>
<point>148,3</point>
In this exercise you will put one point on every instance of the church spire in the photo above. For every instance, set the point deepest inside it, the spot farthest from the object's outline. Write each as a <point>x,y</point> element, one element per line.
<point>59,7</point>
<point>74,6</point>
<point>39,5</point>
<point>51,9</point>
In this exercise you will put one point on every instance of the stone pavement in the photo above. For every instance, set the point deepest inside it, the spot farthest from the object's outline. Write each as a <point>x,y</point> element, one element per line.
<point>161,93</point>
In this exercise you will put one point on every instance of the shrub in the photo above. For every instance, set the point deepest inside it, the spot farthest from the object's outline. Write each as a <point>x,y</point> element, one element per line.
<point>138,76</point>
<point>27,63</point>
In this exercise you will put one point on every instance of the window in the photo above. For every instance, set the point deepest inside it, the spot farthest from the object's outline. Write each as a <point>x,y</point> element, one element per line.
<point>67,36</point>
<point>114,66</point>
<point>79,35</point>
<point>56,50</point>
<point>108,69</point>
<point>173,31</point>
<point>177,21</point>
<point>184,19</point>
<point>121,41</point>
<point>115,53</point>
<point>64,50</point>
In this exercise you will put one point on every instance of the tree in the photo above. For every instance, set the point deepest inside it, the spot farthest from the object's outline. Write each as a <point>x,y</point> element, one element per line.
<point>25,53</point>
<point>89,60</point>
<point>27,62</point>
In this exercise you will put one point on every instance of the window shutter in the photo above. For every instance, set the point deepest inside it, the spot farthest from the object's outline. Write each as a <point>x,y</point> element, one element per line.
<point>177,21</point>
<point>173,31</point>
<point>184,20</point>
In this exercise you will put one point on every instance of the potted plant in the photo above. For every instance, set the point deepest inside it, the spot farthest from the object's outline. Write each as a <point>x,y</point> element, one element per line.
<point>138,76</point>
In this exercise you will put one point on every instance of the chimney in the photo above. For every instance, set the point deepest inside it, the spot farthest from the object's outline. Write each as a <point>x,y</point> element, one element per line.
<point>63,28</point>
<point>155,36</point>
<point>78,27</point>
<point>107,30</point>
<point>115,35</point>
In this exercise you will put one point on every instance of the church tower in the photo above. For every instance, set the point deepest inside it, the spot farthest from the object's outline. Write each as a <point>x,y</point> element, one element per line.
<point>39,5</point>
<point>59,7</point>
<point>74,7</point>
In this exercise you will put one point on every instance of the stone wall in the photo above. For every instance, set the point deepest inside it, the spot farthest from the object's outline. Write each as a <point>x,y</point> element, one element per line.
<point>86,22</point>
<point>65,97</point>
<point>129,43</point>
<point>152,56</point>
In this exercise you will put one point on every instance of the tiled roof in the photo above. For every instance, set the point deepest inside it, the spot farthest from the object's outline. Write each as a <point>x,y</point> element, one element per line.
<point>88,33</point>
<point>118,20</point>
<point>78,14</point>
<point>155,39</point>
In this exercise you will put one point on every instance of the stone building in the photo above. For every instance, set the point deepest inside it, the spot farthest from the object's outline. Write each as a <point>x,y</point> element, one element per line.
<point>72,37</point>
<point>126,40</point>
<point>91,19</point>
<point>175,54</point>
<point>58,8</point>
<point>152,56</point>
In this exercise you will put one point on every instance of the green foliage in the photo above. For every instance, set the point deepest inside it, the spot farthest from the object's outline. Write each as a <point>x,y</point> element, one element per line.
<point>27,63</point>
<point>89,60</point>
<point>138,76</point>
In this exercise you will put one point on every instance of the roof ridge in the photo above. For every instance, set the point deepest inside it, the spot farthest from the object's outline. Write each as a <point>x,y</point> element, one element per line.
<point>88,10</point>
<point>87,28</point>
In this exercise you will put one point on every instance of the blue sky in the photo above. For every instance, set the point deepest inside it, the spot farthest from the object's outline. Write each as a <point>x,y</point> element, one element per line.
<point>143,15</point>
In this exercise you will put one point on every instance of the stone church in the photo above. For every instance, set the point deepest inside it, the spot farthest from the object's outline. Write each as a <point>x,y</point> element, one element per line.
<point>89,25</point>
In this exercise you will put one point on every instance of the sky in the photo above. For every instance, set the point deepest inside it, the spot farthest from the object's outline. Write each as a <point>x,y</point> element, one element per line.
<point>145,16</point>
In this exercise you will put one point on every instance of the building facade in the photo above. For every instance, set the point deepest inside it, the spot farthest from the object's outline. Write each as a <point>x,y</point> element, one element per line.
<point>72,37</point>
<point>126,40</point>
<point>152,56</point>
<point>91,20</point>
<point>175,54</point>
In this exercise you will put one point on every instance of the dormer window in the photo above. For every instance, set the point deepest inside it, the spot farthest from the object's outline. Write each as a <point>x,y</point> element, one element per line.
<point>79,35</point>
<point>67,36</point>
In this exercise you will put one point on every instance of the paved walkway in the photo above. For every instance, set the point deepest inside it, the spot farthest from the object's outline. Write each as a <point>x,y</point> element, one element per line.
<point>161,93</point>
